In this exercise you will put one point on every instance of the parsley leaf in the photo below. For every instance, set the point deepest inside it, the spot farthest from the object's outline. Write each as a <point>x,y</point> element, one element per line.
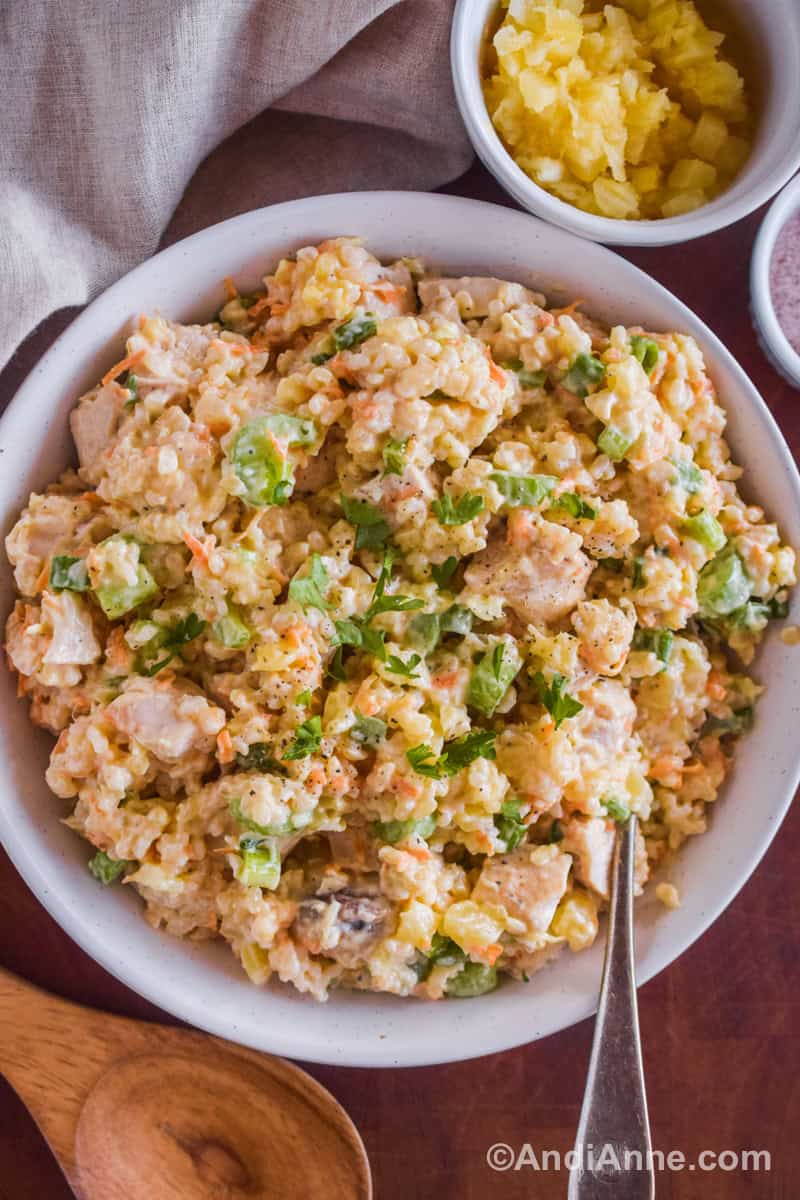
<point>372,529</point>
<point>527,490</point>
<point>309,591</point>
<point>398,667</point>
<point>455,756</point>
<point>394,456</point>
<point>558,703</point>
<point>171,639</point>
<point>443,572</point>
<point>457,512</point>
<point>307,740</point>
<point>509,824</point>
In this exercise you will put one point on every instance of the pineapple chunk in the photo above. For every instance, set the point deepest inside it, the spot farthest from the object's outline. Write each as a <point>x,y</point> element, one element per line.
<point>692,174</point>
<point>646,179</point>
<point>683,202</point>
<point>575,920</point>
<point>472,926</point>
<point>619,200</point>
<point>709,137</point>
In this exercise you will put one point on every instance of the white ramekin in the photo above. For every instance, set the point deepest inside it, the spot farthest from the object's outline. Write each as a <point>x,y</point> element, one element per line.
<point>773,340</point>
<point>772,25</point>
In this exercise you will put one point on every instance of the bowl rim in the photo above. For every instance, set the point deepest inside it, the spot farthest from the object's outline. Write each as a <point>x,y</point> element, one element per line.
<point>783,208</point>
<point>611,230</point>
<point>76,922</point>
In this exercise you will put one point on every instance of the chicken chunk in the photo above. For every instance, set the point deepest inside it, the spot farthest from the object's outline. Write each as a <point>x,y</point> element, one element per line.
<point>344,926</point>
<point>95,421</point>
<point>49,525</point>
<point>542,576</point>
<point>591,842</point>
<point>73,641</point>
<point>167,722</point>
<point>473,294</point>
<point>59,632</point>
<point>528,883</point>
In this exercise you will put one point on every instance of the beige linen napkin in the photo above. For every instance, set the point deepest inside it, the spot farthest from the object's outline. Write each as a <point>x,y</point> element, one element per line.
<point>109,108</point>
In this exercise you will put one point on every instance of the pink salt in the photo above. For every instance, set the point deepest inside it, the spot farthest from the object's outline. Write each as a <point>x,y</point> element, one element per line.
<point>784,280</point>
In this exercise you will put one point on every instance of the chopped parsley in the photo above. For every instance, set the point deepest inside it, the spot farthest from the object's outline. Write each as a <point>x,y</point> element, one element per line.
<point>307,740</point>
<point>455,756</point>
<point>509,824</point>
<point>398,667</point>
<point>558,703</point>
<point>457,512</point>
<point>443,572</point>
<point>310,590</point>
<point>372,530</point>
<point>171,640</point>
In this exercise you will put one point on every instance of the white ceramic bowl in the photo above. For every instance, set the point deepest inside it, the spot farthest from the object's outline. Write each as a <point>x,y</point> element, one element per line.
<point>202,983</point>
<point>776,345</point>
<point>773,34</point>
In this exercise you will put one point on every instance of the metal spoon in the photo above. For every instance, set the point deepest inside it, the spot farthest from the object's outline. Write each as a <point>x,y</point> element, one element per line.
<point>612,1148</point>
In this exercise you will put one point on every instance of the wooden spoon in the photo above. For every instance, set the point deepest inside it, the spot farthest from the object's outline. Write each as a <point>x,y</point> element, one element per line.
<point>134,1111</point>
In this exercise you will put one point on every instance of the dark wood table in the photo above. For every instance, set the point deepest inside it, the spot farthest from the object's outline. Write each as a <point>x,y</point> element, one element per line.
<point>720,1027</point>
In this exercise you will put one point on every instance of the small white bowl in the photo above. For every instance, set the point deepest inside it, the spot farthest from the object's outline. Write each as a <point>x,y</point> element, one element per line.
<point>774,341</point>
<point>201,982</point>
<point>774,27</point>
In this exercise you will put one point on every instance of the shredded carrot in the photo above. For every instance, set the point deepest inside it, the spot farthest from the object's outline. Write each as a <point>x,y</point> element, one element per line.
<point>124,364</point>
<point>496,373</point>
<point>490,953</point>
<point>199,549</point>
<point>406,787</point>
<point>256,309</point>
<point>445,680</point>
<point>421,853</point>
<point>118,652</point>
<point>225,752</point>
<point>231,290</point>
<point>387,291</point>
<point>568,309</point>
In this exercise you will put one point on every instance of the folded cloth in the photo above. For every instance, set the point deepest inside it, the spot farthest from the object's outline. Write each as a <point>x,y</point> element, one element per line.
<point>109,109</point>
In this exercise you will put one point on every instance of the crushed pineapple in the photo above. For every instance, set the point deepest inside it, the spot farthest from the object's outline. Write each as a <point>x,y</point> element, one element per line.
<point>625,110</point>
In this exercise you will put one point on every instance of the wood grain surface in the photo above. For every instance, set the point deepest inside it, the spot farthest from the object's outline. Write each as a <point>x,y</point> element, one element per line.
<point>720,1027</point>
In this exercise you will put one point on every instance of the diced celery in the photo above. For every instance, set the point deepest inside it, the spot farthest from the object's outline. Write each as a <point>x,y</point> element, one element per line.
<point>231,631</point>
<point>706,530</point>
<point>613,443</point>
<point>259,863</point>
<point>116,601</point>
<point>401,831</point>
<point>474,979</point>
<point>723,585</point>
<point>645,350</point>
<point>585,373</point>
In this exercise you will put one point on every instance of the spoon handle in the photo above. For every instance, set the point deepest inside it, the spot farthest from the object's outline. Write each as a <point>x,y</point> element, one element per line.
<point>613,1153</point>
